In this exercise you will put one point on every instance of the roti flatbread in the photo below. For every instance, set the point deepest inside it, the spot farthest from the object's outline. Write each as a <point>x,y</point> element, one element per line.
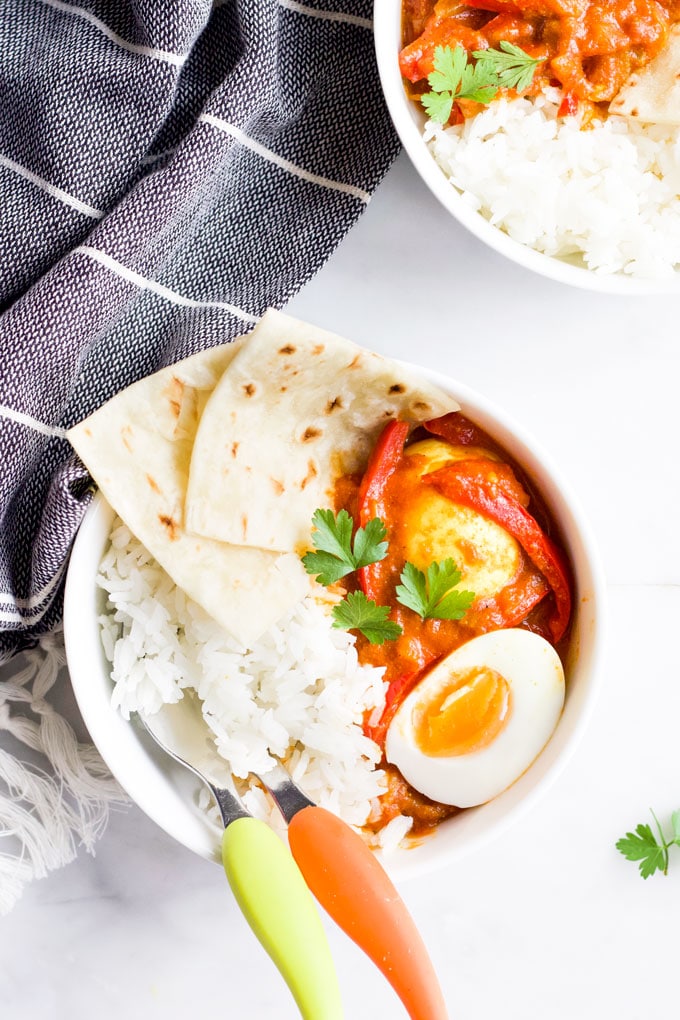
<point>137,447</point>
<point>297,408</point>
<point>652,95</point>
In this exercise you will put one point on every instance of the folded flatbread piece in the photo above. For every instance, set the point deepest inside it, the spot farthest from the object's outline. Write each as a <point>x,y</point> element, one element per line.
<point>137,447</point>
<point>297,408</point>
<point>652,95</point>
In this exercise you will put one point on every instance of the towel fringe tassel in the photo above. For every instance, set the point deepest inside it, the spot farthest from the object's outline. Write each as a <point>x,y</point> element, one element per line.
<point>57,796</point>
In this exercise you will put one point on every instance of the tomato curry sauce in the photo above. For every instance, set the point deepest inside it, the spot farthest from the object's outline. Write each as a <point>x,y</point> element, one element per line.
<point>589,48</point>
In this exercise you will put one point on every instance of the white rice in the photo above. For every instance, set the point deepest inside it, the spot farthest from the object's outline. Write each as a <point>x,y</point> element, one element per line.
<point>299,693</point>
<point>609,194</point>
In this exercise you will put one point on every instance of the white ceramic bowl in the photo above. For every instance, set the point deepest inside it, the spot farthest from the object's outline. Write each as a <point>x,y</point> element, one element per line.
<point>409,121</point>
<point>167,792</point>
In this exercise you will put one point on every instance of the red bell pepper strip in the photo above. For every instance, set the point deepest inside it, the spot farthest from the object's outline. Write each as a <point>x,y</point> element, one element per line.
<point>513,603</point>
<point>481,485</point>
<point>458,430</point>
<point>381,466</point>
<point>498,476</point>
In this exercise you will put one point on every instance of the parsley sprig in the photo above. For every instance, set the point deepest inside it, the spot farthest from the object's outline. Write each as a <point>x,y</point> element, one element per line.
<point>642,846</point>
<point>357,612</point>
<point>454,77</point>
<point>337,555</point>
<point>433,595</point>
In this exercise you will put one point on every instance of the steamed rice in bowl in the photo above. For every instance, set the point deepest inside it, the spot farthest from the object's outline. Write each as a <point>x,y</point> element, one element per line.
<point>300,686</point>
<point>608,196</point>
<point>258,633</point>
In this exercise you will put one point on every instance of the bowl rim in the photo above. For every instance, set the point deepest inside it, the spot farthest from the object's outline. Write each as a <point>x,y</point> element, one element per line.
<point>166,792</point>
<point>408,125</point>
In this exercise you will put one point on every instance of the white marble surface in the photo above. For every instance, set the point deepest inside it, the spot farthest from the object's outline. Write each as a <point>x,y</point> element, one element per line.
<point>548,921</point>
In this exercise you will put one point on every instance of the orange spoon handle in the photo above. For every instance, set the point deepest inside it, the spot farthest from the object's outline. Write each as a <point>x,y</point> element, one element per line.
<point>353,888</point>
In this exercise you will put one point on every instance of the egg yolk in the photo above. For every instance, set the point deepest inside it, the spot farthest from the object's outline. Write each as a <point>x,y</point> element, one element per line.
<point>464,715</point>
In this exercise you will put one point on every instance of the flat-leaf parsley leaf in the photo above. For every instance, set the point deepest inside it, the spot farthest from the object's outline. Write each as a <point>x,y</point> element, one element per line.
<point>513,67</point>
<point>433,595</point>
<point>454,77</point>
<point>336,554</point>
<point>357,612</point>
<point>643,847</point>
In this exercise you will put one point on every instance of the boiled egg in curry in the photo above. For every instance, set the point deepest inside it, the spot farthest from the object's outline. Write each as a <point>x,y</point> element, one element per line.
<point>479,718</point>
<point>435,528</point>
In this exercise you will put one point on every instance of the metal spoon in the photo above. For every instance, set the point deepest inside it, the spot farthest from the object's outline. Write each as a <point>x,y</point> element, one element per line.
<point>264,878</point>
<point>339,868</point>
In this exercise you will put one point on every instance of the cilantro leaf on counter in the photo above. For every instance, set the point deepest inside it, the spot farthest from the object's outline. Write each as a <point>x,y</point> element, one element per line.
<point>336,554</point>
<point>434,595</point>
<point>455,77</point>
<point>650,853</point>
<point>357,612</point>
<point>641,846</point>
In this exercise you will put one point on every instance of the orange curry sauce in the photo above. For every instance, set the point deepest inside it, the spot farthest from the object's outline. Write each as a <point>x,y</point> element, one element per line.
<point>527,601</point>
<point>589,47</point>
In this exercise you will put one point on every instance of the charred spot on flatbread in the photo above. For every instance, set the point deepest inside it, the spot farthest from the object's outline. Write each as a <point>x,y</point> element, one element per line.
<point>311,433</point>
<point>174,394</point>
<point>153,484</point>
<point>249,389</point>
<point>288,349</point>
<point>397,388</point>
<point>312,472</point>
<point>335,404</point>
<point>171,526</point>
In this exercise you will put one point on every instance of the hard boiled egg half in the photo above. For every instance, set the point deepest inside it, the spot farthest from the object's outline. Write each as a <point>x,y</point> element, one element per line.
<point>478,718</point>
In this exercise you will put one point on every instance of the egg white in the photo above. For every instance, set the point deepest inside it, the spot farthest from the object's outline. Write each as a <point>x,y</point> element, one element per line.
<point>534,672</point>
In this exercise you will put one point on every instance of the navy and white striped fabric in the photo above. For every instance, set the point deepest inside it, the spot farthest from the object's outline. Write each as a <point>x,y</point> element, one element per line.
<point>167,171</point>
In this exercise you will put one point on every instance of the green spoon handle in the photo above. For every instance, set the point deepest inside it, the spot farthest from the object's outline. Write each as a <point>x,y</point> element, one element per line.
<point>278,906</point>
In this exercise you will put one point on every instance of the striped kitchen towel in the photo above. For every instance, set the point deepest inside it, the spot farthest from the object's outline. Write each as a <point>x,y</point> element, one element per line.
<point>168,171</point>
